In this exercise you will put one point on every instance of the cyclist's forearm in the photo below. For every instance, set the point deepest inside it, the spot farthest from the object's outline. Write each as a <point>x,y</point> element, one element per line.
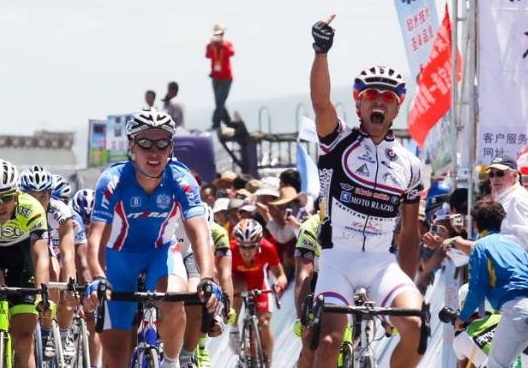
<point>41,260</point>
<point>225,276</point>
<point>408,253</point>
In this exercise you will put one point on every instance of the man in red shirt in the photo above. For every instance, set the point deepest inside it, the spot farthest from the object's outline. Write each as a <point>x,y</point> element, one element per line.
<point>220,51</point>
<point>252,257</point>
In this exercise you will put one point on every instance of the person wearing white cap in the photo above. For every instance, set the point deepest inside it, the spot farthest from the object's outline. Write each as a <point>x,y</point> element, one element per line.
<point>220,51</point>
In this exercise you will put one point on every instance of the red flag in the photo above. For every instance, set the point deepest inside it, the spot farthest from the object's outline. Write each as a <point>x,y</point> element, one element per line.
<point>433,97</point>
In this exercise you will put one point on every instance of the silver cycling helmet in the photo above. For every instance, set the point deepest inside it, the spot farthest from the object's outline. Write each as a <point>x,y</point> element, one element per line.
<point>36,179</point>
<point>381,77</point>
<point>8,176</point>
<point>150,119</point>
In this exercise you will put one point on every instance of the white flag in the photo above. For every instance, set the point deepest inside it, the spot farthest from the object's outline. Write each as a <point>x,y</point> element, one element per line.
<point>502,78</point>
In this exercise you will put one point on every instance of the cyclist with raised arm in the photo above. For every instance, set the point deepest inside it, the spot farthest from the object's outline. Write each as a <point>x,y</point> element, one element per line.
<point>137,204</point>
<point>24,258</point>
<point>253,256</point>
<point>367,180</point>
<point>38,182</point>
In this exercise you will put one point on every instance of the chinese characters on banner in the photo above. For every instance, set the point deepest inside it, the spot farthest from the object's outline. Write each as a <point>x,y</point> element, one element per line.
<point>433,97</point>
<point>503,78</point>
<point>418,24</point>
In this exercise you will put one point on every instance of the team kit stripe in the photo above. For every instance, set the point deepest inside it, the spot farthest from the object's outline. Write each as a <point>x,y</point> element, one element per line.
<point>120,211</point>
<point>174,210</point>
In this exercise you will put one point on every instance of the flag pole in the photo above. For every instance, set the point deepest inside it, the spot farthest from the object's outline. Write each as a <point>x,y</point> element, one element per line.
<point>454,93</point>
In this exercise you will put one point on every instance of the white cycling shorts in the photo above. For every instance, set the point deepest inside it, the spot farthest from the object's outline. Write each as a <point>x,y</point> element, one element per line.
<point>342,270</point>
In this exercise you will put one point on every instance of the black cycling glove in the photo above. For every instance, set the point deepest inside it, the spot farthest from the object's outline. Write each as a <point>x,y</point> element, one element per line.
<point>323,36</point>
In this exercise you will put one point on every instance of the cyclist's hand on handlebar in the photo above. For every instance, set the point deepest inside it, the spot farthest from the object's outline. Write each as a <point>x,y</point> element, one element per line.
<point>91,295</point>
<point>210,293</point>
<point>280,284</point>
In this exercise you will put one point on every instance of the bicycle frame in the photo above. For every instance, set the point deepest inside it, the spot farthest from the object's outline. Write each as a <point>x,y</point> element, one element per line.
<point>6,355</point>
<point>148,350</point>
<point>252,354</point>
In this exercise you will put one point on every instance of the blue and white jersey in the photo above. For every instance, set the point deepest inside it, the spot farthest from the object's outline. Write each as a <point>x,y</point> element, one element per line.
<point>79,230</point>
<point>139,220</point>
<point>57,214</point>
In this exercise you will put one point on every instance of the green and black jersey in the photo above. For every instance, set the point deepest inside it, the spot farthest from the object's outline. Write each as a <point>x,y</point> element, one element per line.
<point>27,224</point>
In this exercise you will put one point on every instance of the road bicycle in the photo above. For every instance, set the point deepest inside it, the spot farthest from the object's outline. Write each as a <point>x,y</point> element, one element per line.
<point>359,352</point>
<point>252,354</point>
<point>6,352</point>
<point>148,351</point>
<point>78,328</point>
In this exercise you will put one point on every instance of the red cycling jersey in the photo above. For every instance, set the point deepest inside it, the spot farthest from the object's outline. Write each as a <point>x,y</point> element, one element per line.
<point>255,275</point>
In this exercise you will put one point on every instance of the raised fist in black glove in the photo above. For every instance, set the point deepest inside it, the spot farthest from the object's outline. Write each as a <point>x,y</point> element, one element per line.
<point>323,35</point>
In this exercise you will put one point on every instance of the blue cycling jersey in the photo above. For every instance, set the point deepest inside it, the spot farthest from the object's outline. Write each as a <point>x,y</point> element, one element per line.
<point>142,221</point>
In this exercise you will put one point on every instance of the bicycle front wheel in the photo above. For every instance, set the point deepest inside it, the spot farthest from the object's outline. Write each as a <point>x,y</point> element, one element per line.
<point>82,354</point>
<point>152,358</point>
<point>3,350</point>
<point>258,356</point>
<point>346,356</point>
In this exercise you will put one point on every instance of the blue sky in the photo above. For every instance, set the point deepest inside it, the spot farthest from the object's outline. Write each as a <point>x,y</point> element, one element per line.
<point>64,62</point>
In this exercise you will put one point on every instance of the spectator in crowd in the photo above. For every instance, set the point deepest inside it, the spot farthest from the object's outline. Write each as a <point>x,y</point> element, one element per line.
<point>220,51</point>
<point>150,100</point>
<point>498,271</point>
<point>507,190</point>
<point>225,182</point>
<point>208,193</point>
<point>172,104</point>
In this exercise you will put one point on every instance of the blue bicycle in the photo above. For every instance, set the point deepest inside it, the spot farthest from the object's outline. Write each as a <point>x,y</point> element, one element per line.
<point>148,351</point>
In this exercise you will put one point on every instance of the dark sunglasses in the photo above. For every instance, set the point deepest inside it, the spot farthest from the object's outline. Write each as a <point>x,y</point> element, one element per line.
<point>498,174</point>
<point>148,144</point>
<point>8,197</point>
<point>387,96</point>
<point>248,247</point>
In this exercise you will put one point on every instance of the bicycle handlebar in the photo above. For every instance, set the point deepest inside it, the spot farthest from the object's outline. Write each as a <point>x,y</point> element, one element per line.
<point>137,296</point>
<point>71,286</point>
<point>366,310</point>
<point>43,291</point>
<point>256,292</point>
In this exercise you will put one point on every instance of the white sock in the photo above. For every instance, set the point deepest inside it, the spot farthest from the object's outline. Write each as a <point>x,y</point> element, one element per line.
<point>169,363</point>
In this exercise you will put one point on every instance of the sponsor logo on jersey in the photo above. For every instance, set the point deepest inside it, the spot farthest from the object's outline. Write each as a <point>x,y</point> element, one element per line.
<point>146,214</point>
<point>325,176</point>
<point>386,164</point>
<point>363,170</point>
<point>391,155</point>
<point>163,201</point>
<point>23,211</point>
<point>347,187</point>
<point>135,202</point>
<point>367,157</point>
<point>345,197</point>
<point>9,231</point>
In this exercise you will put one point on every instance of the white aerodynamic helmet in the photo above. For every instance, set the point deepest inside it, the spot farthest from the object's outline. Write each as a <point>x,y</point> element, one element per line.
<point>8,176</point>
<point>381,77</point>
<point>150,119</point>
<point>36,179</point>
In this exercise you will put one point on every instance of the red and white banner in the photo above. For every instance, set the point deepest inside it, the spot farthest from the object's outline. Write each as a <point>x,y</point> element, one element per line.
<point>502,78</point>
<point>433,96</point>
